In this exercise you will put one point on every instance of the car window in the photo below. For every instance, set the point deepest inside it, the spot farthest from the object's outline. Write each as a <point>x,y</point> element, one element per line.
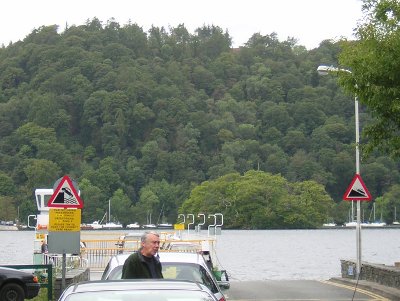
<point>116,273</point>
<point>188,271</point>
<point>106,270</point>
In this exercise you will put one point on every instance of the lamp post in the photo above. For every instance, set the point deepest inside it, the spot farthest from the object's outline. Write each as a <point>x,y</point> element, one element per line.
<point>324,70</point>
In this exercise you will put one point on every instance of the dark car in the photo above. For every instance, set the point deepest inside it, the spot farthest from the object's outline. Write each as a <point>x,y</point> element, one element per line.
<point>17,285</point>
<point>137,290</point>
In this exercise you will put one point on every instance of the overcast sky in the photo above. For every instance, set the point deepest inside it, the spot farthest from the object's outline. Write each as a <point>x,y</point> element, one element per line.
<point>309,21</point>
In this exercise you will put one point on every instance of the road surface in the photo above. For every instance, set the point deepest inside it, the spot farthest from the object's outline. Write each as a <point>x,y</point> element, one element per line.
<point>297,290</point>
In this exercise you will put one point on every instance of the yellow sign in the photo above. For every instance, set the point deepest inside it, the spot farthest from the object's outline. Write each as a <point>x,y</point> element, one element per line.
<point>179,226</point>
<point>40,236</point>
<point>64,220</point>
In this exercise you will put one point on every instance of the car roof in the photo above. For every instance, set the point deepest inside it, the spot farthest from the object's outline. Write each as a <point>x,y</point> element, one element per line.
<point>12,271</point>
<point>186,257</point>
<point>134,234</point>
<point>134,284</point>
<point>189,257</point>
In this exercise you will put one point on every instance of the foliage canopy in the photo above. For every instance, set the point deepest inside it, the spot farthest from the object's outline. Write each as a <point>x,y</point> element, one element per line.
<point>153,120</point>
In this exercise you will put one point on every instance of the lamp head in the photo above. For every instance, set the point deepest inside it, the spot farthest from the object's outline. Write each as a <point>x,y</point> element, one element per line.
<point>323,70</point>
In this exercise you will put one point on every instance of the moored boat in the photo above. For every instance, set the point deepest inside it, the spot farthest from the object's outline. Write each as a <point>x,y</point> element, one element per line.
<point>96,225</point>
<point>149,226</point>
<point>112,226</point>
<point>165,226</point>
<point>374,224</point>
<point>366,225</point>
<point>351,224</point>
<point>8,228</point>
<point>327,225</point>
<point>135,225</point>
<point>86,227</point>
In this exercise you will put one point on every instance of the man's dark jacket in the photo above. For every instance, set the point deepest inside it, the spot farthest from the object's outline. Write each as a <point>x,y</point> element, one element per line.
<point>135,267</point>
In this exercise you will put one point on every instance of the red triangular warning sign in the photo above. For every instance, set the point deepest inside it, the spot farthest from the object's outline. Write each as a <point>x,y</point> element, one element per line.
<point>65,195</point>
<point>357,191</point>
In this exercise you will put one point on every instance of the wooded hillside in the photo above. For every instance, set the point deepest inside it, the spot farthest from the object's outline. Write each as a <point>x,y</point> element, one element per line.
<point>146,118</point>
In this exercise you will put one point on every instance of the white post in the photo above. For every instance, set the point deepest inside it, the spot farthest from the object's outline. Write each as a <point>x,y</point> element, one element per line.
<point>323,70</point>
<point>358,230</point>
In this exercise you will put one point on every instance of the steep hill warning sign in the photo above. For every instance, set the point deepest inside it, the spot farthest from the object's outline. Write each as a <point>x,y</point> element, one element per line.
<point>65,195</point>
<point>357,191</point>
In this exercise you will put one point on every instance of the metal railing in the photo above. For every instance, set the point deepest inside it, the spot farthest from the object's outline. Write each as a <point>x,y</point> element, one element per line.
<point>72,261</point>
<point>98,252</point>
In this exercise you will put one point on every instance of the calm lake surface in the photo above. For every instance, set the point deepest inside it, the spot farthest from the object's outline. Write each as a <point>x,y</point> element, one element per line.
<point>264,254</point>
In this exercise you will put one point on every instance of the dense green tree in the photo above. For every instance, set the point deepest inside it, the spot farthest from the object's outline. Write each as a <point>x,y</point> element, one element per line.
<point>148,204</point>
<point>302,166</point>
<point>93,201</point>
<point>40,173</point>
<point>211,41</point>
<point>307,210</point>
<point>8,210</point>
<point>259,200</point>
<point>276,116</point>
<point>294,141</point>
<point>390,204</point>
<point>7,186</point>
<point>121,207</point>
<point>373,60</point>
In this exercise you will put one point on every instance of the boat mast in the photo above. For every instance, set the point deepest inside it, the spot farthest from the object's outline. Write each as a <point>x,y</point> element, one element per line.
<point>161,215</point>
<point>109,210</point>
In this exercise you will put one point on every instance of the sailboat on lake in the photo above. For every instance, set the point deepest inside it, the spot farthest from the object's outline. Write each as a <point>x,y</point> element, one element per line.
<point>395,221</point>
<point>161,224</point>
<point>109,225</point>
<point>375,222</point>
<point>149,224</point>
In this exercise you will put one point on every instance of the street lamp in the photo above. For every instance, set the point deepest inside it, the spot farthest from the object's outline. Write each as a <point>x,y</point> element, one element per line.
<point>324,70</point>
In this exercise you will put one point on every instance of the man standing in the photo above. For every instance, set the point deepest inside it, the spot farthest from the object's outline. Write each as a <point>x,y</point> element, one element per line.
<point>144,263</point>
<point>44,247</point>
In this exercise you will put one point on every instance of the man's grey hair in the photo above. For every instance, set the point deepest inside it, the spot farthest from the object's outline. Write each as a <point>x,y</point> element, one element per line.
<point>146,234</point>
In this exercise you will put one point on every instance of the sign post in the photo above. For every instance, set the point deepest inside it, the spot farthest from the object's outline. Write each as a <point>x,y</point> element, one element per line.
<point>357,191</point>
<point>64,221</point>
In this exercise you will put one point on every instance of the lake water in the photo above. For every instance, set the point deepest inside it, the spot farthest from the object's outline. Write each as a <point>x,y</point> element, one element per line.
<point>265,254</point>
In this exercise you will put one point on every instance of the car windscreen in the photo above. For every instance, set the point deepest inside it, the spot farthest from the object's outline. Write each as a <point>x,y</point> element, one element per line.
<point>180,271</point>
<point>140,295</point>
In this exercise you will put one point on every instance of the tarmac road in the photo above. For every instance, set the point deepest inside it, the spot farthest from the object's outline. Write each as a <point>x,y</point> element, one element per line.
<point>298,290</point>
<point>336,289</point>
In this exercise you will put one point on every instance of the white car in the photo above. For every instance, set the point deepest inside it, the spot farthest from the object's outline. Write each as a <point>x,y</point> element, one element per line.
<point>175,265</point>
<point>137,290</point>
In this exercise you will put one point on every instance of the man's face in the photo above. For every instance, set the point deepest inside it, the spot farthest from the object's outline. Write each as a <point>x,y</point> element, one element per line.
<point>151,245</point>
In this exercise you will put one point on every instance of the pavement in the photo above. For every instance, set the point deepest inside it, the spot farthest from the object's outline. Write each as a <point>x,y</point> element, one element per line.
<point>391,293</point>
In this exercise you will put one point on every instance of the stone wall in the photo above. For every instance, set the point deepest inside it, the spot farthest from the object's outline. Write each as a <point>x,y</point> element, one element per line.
<point>379,273</point>
<point>72,276</point>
